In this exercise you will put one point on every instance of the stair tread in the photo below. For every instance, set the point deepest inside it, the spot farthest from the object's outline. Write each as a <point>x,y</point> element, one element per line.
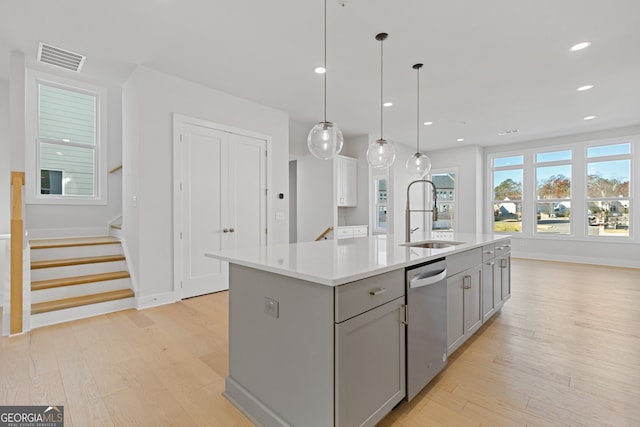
<point>72,241</point>
<point>76,261</point>
<point>43,307</point>
<point>78,280</point>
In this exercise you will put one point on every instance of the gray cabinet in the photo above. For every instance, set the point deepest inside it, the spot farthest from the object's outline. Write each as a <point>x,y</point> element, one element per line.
<point>496,277</point>
<point>464,297</point>
<point>369,349</point>
<point>504,264</point>
<point>370,361</point>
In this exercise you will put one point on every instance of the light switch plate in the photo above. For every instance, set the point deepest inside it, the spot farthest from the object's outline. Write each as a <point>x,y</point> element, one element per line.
<point>271,307</point>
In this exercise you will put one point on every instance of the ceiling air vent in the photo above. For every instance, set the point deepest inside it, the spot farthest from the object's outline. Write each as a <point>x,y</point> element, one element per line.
<point>60,57</point>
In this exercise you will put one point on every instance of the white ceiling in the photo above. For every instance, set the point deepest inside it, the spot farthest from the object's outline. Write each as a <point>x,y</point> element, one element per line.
<point>490,65</point>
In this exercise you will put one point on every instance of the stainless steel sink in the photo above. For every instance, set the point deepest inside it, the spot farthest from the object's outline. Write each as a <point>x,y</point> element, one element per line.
<point>432,244</point>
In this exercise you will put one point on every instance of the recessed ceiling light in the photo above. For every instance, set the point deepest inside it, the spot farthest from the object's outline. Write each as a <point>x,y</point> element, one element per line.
<point>590,117</point>
<point>320,70</point>
<point>387,104</point>
<point>460,139</point>
<point>508,132</point>
<point>580,46</point>
<point>428,123</point>
<point>66,140</point>
<point>585,87</point>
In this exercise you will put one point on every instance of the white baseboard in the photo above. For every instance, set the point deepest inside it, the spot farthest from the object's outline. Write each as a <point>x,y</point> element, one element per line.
<point>57,233</point>
<point>608,262</point>
<point>156,300</point>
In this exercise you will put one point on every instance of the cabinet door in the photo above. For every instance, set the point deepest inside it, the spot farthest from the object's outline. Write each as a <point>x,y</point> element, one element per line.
<point>505,275</point>
<point>472,283</point>
<point>455,312</point>
<point>488,277</point>
<point>370,365</point>
<point>347,181</point>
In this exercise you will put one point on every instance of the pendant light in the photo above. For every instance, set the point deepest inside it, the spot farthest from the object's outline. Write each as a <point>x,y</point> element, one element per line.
<point>325,139</point>
<point>381,153</point>
<point>419,164</point>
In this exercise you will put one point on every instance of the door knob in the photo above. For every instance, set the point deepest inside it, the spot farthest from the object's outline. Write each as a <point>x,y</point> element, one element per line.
<point>225,230</point>
<point>231,230</point>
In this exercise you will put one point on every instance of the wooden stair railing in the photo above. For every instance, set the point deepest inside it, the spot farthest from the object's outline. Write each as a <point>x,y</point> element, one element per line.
<point>324,233</point>
<point>17,250</point>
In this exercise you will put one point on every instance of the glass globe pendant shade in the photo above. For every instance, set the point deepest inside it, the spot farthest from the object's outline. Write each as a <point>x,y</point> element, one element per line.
<point>381,154</point>
<point>419,164</point>
<point>325,140</point>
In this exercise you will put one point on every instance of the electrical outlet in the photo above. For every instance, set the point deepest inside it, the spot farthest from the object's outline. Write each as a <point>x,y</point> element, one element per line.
<point>271,307</point>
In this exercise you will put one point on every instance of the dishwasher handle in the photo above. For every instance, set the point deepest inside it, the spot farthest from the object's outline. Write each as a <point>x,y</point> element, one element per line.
<point>427,279</point>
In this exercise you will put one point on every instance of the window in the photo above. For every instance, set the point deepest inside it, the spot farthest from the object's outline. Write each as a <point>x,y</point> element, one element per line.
<point>608,178</point>
<point>445,183</point>
<point>507,194</point>
<point>67,161</point>
<point>553,192</point>
<point>581,190</point>
<point>380,197</point>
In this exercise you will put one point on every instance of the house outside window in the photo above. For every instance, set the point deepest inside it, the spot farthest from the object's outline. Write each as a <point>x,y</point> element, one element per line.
<point>553,192</point>
<point>66,163</point>
<point>608,198</point>
<point>445,183</point>
<point>507,193</point>
<point>380,225</point>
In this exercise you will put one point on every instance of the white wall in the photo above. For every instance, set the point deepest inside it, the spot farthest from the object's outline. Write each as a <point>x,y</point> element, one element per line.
<point>624,253</point>
<point>5,169</point>
<point>5,178</point>
<point>152,98</point>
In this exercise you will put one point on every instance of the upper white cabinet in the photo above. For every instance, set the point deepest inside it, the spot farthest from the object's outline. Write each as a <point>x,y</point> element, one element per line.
<point>346,181</point>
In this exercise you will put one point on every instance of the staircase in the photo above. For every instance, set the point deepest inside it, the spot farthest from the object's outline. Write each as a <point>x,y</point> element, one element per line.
<point>76,278</point>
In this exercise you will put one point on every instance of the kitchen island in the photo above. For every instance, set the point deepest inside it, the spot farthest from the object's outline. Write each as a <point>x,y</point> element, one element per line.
<point>317,329</point>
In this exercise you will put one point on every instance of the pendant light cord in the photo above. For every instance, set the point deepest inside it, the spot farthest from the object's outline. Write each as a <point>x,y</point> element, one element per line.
<point>325,60</point>
<point>418,112</point>
<point>381,86</point>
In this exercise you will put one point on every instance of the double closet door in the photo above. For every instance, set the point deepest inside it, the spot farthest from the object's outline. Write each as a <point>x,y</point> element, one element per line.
<point>223,202</point>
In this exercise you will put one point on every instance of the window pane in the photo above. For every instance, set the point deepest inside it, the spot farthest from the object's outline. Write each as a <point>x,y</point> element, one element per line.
<point>67,115</point>
<point>50,182</point>
<point>608,179</point>
<point>381,189</point>
<point>507,217</point>
<point>553,156</point>
<point>445,217</point>
<point>508,161</point>
<point>75,164</point>
<point>382,217</point>
<point>553,182</point>
<point>608,218</point>
<point>609,150</point>
<point>553,217</point>
<point>445,185</point>
<point>507,184</point>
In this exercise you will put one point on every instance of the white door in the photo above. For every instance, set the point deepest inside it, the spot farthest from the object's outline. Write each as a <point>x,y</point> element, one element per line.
<point>223,202</point>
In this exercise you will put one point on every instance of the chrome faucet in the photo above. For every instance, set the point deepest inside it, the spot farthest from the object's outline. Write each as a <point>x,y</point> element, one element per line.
<point>408,210</point>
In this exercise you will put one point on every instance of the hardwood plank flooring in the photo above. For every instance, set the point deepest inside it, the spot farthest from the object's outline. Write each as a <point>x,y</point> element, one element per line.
<point>564,351</point>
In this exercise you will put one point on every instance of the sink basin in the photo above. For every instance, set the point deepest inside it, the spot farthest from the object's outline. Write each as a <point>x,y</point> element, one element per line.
<point>432,244</point>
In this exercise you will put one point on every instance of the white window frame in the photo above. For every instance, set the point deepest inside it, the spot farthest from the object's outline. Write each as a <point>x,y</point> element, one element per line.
<point>32,145</point>
<point>384,174</point>
<point>491,199</point>
<point>579,228</point>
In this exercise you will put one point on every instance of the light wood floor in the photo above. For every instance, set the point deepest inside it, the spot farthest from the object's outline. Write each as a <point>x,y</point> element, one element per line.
<point>565,350</point>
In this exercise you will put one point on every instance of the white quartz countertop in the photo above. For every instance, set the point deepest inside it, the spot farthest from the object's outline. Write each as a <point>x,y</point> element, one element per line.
<point>336,262</point>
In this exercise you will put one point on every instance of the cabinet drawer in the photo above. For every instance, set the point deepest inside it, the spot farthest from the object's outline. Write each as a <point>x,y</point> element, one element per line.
<point>357,297</point>
<point>359,231</point>
<point>488,252</point>
<point>503,247</point>
<point>344,232</point>
<point>463,261</point>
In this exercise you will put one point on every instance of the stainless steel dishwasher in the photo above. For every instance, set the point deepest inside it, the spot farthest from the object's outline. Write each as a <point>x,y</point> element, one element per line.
<point>426,323</point>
